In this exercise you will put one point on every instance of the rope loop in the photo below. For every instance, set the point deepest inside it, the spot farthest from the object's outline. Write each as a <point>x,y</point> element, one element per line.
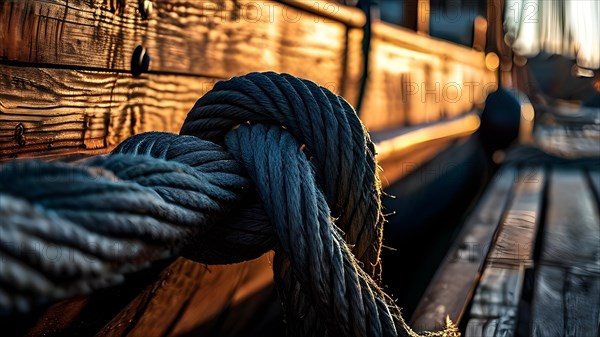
<point>264,162</point>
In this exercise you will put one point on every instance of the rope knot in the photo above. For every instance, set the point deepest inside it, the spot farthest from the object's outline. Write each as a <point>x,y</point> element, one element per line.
<point>264,161</point>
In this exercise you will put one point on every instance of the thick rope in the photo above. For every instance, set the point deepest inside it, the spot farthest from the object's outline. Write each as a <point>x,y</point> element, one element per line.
<point>312,166</point>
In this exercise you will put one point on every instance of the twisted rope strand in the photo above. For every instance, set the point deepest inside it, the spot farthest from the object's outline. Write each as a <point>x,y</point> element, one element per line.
<point>314,198</point>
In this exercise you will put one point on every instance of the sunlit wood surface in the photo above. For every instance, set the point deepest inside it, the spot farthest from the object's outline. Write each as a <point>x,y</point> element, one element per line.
<point>66,65</point>
<point>417,79</point>
<point>216,39</point>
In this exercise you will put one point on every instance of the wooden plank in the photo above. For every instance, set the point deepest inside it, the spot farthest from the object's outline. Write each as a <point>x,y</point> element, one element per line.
<point>451,288</point>
<point>210,38</point>
<point>566,302</point>
<point>495,304</point>
<point>331,10</point>
<point>495,327</point>
<point>415,79</point>
<point>582,303</point>
<point>515,239</point>
<point>354,69</point>
<point>571,142</point>
<point>158,309</point>
<point>498,292</point>
<point>548,305</point>
<point>572,231</point>
<point>390,144</point>
<point>257,276</point>
<point>50,111</point>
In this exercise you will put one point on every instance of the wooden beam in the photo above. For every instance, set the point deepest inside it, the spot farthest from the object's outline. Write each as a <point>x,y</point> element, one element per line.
<point>450,290</point>
<point>332,10</point>
<point>499,291</point>
<point>416,79</point>
<point>57,111</point>
<point>571,234</point>
<point>515,237</point>
<point>565,302</point>
<point>390,144</point>
<point>495,305</point>
<point>209,38</point>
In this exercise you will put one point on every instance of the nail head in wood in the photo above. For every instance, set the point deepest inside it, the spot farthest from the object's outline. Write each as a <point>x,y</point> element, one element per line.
<point>140,61</point>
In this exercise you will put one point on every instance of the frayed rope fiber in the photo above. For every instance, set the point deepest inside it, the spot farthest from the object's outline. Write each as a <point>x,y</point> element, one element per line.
<point>264,161</point>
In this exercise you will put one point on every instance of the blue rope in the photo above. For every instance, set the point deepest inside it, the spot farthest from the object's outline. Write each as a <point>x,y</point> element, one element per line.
<point>300,179</point>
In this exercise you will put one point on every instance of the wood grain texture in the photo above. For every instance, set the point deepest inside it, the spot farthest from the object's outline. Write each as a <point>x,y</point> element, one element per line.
<point>333,10</point>
<point>451,288</point>
<point>210,38</point>
<point>187,297</point>
<point>566,302</point>
<point>572,231</point>
<point>495,304</point>
<point>50,111</point>
<point>354,68</point>
<point>415,79</point>
<point>515,238</point>
<point>498,292</point>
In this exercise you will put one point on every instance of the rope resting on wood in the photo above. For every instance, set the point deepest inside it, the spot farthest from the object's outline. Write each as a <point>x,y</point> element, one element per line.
<point>298,147</point>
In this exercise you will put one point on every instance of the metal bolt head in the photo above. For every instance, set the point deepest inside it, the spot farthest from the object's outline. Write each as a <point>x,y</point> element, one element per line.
<point>140,61</point>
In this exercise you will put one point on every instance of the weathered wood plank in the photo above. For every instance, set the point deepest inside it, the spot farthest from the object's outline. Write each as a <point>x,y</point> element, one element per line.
<point>257,276</point>
<point>548,305</point>
<point>210,38</point>
<point>495,304</point>
<point>401,151</point>
<point>571,142</point>
<point>515,239</point>
<point>49,111</point>
<point>454,283</point>
<point>189,296</point>
<point>572,231</point>
<point>495,327</point>
<point>582,303</point>
<point>415,79</point>
<point>566,302</point>
<point>354,61</point>
<point>332,10</point>
<point>498,291</point>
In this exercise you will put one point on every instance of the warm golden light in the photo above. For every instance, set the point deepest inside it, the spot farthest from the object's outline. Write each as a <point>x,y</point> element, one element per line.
<point>527,112</point>
<point>453,128</point>
<point>492,61</point>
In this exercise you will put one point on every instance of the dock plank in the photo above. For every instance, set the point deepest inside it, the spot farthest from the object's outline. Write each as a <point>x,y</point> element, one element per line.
<point>451,288</point>
<point>582,300</point>
<point>499,291</point>
<point>516,235</point>
<point>548,305</point>
<point>572,230</point>
<point>566,302</point>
